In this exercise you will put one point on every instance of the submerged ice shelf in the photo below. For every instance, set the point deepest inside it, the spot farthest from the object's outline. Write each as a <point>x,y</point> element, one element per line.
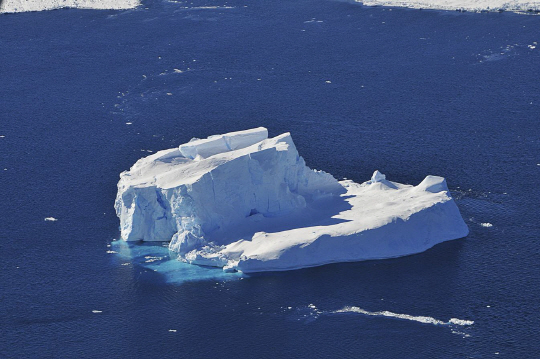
<point>243,201</point>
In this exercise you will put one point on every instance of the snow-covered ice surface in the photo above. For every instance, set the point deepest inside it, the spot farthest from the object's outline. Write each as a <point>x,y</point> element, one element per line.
<point>467,5</point>
<point>246,202</point>
<point>12,6</point>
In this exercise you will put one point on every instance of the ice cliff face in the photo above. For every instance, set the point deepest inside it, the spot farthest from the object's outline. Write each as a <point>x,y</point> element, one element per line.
<point>186,194</point>
<point>246,202</point>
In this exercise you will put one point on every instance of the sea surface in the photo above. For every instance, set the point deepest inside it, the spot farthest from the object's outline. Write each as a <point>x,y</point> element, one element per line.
<point>85,93</point>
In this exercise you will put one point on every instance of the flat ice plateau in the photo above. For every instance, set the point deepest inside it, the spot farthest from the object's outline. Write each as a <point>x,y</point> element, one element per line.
<point>12,6</point>
<point>246,202</point>
<point>467,5</point>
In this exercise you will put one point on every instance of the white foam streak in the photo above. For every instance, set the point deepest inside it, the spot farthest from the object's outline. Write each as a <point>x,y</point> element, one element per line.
<point>420,319</point>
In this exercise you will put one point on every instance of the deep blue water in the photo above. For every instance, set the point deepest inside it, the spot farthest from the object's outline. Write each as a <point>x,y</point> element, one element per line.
<point>411,93</point>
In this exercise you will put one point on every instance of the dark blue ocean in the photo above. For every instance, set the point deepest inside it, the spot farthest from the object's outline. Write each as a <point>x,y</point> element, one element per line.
<point>84,94</point>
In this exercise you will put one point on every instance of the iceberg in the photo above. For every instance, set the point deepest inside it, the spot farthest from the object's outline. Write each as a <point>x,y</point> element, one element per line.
<point>245,202</point>
<point>13,6</point>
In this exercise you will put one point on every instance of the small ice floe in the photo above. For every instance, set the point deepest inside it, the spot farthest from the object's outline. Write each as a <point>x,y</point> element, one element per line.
<point>97,311</point>
<point>487,224</point>
<point>461,322</point>
<point>51,219</point>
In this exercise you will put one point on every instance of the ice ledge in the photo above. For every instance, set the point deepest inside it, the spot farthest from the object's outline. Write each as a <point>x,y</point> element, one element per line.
<point>214,145</point>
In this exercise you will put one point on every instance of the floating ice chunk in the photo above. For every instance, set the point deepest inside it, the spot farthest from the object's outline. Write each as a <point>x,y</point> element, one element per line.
<point>50,219</point>
<point>244,202</point>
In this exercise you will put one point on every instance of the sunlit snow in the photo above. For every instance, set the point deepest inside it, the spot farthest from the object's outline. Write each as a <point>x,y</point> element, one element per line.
<point>246,202</point>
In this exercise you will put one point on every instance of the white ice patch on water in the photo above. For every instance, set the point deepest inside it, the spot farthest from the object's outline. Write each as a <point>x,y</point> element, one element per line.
<point>385,313</point>
<point>464,5</point>
<point>415,318</point>
<point>310,313</point>
<point>461,322</point>
<point>13,6</point>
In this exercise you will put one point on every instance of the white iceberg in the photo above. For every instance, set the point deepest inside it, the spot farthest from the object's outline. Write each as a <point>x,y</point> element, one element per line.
<point>246,202</point>
<point>12,6</point>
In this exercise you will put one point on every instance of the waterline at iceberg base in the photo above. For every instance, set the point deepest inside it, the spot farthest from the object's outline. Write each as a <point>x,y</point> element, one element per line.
<point>246,202</point>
